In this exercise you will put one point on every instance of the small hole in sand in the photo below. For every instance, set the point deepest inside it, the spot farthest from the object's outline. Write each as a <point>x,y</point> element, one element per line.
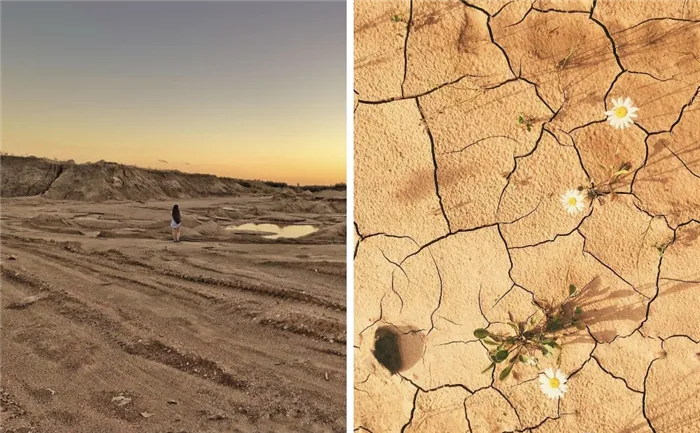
<point>397,349</point>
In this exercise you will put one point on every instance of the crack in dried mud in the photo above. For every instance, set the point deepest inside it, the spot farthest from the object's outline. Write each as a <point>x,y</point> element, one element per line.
<point>405,47</point>
<point>615,377</point>
<point>644,396</point>
<point>417,95</point>
<point>413,411</point>
<point>435,164</point>
<point>656,19</point>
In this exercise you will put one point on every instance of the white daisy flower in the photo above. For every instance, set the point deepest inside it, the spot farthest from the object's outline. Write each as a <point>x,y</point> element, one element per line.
<point>572,200</point>
<point>622,113</point>
<point>553,383</point>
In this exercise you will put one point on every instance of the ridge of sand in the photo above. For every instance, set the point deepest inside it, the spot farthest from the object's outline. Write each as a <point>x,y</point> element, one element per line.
<point>100,181</point>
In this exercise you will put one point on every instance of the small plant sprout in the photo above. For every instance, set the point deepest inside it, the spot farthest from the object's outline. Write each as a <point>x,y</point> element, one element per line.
<point>608,186</point>
<point>397,19</point>
<point>622,113</point>
<point>661,248</point>
<point>563,62</point>
<point>538,335</point>
<point>525,122</point>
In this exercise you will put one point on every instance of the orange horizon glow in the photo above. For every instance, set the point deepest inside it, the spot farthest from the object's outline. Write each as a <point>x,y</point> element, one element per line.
<point>324,174</point>
<point>295,154</point>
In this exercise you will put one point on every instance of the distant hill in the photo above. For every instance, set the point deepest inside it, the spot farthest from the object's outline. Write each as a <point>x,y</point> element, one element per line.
<point>65,180</point>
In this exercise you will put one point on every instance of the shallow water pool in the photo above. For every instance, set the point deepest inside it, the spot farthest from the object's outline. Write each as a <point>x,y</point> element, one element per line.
<point>273,231</point>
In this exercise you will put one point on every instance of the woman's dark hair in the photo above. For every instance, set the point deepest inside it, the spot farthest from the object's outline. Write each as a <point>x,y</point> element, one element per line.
<point>176,215</point>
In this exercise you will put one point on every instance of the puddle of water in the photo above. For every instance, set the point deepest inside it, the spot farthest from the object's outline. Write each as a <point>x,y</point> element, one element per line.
<point>273,231</point>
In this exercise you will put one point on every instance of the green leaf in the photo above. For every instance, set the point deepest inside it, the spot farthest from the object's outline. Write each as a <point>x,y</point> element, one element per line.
<point>523,359</point>
<point>551,343</point>
<point>492,365</point>
<point>489,342</point>
<point>572,289</point>
<point>505,372</point>
<point>481,333</point>
<point>500,356</point>
<point>515,328</point>
<point>554,324</point>
<point>578,310</point>
<point>621,172</point>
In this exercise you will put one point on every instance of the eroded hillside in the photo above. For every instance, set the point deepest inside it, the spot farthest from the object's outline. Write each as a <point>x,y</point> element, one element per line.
<point>66,180</point>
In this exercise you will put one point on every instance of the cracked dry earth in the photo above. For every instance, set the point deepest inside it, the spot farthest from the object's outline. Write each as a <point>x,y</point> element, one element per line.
<point>458,221</point>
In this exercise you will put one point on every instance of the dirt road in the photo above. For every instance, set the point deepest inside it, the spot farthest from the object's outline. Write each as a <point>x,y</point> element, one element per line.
<point>138,334</point>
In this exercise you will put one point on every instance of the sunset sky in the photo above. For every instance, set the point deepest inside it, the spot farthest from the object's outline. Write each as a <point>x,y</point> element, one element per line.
<point>239,89</point>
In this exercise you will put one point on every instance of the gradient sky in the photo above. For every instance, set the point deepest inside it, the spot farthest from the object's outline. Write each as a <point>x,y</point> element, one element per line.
<point>239,89</point>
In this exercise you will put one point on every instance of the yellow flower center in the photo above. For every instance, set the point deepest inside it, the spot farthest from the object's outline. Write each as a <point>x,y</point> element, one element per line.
<point>621,112</point>
<point>572,201</point>
<point>554,382</point>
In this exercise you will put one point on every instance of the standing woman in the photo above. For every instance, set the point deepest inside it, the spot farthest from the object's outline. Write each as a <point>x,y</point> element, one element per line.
<point>176,223</point>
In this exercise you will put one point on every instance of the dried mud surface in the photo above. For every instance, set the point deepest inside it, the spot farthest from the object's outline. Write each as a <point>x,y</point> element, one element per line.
<point>458,221</point>
<point>109,326</point>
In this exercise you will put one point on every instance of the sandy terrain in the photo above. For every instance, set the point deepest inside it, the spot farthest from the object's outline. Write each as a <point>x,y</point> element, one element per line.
<point>108,326</point>
<point>472,119</point>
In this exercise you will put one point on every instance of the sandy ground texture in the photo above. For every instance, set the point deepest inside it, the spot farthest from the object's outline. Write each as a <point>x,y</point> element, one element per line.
<point>109,326</point>
<point>472,119</point>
